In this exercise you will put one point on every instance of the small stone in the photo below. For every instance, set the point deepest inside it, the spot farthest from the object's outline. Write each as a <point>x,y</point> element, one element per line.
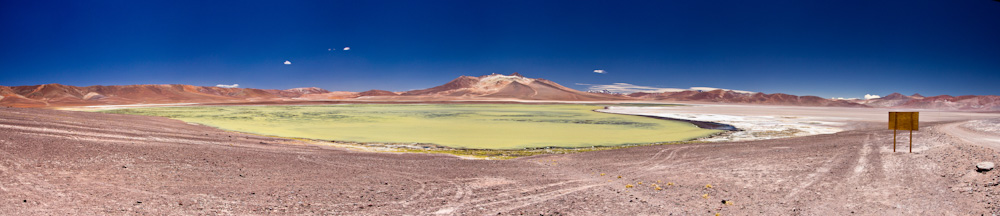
<point>984,166</point>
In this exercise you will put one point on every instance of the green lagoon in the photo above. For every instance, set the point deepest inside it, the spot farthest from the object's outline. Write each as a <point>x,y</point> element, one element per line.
<point>469,126</point>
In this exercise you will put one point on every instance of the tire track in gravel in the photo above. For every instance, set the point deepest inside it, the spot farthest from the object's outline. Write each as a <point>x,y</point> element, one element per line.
<point>419,197</point>
<point>812,178</point>
<point>518,194</point>
<point>26,185</point>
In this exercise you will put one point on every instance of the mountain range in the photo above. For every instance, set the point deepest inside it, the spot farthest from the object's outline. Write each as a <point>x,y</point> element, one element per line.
<point>482,88</point>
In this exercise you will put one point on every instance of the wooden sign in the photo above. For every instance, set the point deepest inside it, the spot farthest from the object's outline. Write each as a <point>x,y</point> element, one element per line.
<point>903,121</point>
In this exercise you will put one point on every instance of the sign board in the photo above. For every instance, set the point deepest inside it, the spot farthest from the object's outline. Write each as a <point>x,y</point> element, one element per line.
<point>904,120</point>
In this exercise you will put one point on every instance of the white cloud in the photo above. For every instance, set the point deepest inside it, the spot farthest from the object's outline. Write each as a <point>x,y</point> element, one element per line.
<point>626,88</point>
<point>288,62</point>
<point>227,86</point>
<point>329,49</point>
<point>871,96</point>
<point>600,71</point>
<point>347,48</point>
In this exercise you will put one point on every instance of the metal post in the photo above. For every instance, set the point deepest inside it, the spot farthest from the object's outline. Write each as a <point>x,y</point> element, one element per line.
<point>893,140</point>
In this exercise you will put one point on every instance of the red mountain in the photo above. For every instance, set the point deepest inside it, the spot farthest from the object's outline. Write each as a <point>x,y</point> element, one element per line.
<point>894,99</point>
<point>489,87</point>
<point>728,96</point>
<point>512,86</point>
<point>376,92</point>
<point>940,102</point>
<point>63,95</point>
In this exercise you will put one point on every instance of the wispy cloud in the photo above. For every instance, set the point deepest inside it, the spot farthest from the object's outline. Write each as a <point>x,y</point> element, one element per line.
<point>228,86</point>
<point>871,96</point>
<point>600,71</point>
<point>626,88</point>
<point>288,62</point>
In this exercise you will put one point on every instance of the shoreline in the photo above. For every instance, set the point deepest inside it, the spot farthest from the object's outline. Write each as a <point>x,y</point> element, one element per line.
<point>480,153</point>
<point>340,102</point>
<point>701,124</point>
<point>747,127</point>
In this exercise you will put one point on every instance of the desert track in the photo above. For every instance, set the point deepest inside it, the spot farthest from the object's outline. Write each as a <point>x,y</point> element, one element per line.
<point>61,162</point>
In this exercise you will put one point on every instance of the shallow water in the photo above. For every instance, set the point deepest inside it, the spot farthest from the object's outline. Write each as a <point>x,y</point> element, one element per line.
<point>479,126</point>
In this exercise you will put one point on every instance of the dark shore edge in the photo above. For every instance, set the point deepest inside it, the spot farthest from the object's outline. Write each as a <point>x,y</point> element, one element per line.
<point>700,124</point>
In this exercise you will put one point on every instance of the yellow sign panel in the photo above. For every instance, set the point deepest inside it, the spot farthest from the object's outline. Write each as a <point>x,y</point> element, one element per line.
<point>904,120</point>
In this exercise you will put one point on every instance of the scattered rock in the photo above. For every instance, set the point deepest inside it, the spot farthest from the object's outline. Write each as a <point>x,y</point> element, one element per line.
<point>984,166</point>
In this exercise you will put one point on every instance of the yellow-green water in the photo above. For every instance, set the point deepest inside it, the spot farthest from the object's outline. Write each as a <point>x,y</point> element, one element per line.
<point>477,126</point>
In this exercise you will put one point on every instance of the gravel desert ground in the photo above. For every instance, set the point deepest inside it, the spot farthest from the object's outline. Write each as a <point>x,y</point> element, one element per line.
<point>68,162</point>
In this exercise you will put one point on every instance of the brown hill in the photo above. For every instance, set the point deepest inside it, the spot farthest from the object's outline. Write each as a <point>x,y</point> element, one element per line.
<point>947,102</point>
<point>489,87</point>
<point>63,95</point>
<point>892,100</point>
<point>728,96</point>
<point>462,82</point>
<point>376,92</point>
<point>307,90</point>
<point>512,86</point>
<point>940,102</point>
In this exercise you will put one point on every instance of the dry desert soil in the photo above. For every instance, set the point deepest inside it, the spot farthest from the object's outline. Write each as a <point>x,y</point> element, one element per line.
<point>81,163</point>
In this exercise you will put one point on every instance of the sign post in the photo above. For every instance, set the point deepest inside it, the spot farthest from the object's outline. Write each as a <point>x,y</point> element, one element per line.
<point>903,121</point>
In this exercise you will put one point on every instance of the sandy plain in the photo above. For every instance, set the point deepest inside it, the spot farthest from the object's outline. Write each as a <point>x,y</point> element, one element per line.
<point>66,162</point>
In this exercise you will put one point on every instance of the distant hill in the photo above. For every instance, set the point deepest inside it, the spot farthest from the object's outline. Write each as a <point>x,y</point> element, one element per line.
<point>64,95</point>
<point>512,86</point>
<point>940,102</point>
<point>483,88</point>
<point>729,96</point>
<point>376,92</point>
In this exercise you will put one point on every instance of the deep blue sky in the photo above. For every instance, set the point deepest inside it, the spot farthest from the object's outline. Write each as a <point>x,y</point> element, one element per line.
<point>826,48</point>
